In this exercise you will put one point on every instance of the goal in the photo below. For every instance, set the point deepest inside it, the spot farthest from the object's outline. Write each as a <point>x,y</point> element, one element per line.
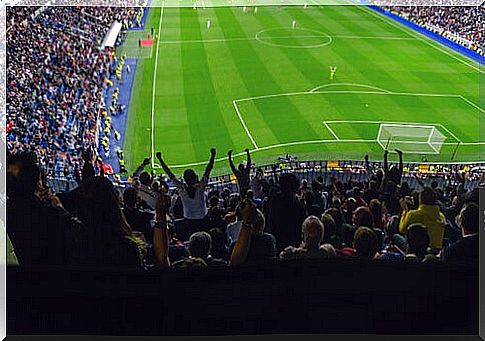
<point>418,139</point>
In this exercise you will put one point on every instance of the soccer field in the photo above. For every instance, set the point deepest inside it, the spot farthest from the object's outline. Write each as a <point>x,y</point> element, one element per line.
<point>252,81</point>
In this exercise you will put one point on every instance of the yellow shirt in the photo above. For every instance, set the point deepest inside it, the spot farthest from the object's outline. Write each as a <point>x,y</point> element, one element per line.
<point>431,217</point>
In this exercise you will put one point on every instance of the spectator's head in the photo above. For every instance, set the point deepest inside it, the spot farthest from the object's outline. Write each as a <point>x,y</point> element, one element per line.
<point>190,177</point>
<point>312,232</point>
<point>218,242</point>
<point>194,262</point>
<point>289,183</point>
<point>469,218</point>
<point>100,210</point>
<point>427,197</point>
<point>23,174</point>
<point>200,244</point>
<point>365,243</point>
<point>213,201</point>
<point>337,217</point>
<point>259,225</point>
<point>130,196</point>
<point>351,204</point>
<point>145,179</point>
<point>329,227</point>
<point>241,167</point>
<point>375,208</point>
<point>417,240</point>
<point>363,217</point>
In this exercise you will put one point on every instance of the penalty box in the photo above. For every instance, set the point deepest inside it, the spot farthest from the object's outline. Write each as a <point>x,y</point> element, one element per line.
<point>417,138</point>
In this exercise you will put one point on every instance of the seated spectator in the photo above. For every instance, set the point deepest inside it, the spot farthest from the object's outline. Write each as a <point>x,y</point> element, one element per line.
<point>366,243</point>
<point>427,214</point>
<point>219,246</point>
<point>111,240</point>
<point>417,240</point>
<point>253,244</point>
<point>41,230</point>
<point>215,214</point>
<point>465,250</point>
<point>311,247</point>
<point>139,220</point>
<point>200,245</point>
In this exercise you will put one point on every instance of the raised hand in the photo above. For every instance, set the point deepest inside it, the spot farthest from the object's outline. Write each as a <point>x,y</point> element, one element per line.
<point>213,152</point>
<point>146,161</point>
<point>398,151</point>
<point>159,156</point>
<point>229,153</point>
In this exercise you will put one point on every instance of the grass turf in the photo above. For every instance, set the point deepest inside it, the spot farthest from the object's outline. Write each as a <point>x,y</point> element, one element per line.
<point>214,87</point>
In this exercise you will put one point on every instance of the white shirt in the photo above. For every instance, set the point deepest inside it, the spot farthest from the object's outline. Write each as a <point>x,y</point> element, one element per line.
<point>194,208</point>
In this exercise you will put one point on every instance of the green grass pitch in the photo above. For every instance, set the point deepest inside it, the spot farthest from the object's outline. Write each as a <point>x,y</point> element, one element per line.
<point>252,81</point>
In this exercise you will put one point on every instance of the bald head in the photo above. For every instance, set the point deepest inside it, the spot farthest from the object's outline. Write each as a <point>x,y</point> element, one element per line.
<point>312,229</point>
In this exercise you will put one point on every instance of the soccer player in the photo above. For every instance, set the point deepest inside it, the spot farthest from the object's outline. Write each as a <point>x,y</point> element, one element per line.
<point>208,24</point>
<point>333,69</point>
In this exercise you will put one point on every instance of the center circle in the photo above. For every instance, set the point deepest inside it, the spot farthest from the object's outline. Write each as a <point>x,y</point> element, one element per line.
<point>298,38</point>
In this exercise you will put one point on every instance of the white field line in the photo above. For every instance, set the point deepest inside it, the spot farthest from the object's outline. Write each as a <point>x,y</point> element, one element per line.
<point>346,92</point>
<point>349,84</point>
<point>222,40</point>
<point>472,104</point>
<point>331,131</point>
<point>419,37</point>
<point>244,125</point>
<point>154,165</point>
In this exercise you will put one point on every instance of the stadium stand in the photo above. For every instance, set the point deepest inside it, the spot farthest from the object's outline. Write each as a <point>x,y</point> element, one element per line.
<point>299,247</point>
<point>460,24</point>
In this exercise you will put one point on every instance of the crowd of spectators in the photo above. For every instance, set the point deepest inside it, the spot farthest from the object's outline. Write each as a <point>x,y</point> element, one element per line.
<point>56,78</point>
<point>450,21</point>
<point>180,222</point>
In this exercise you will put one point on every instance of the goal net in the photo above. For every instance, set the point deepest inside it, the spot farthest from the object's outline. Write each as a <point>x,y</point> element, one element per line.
<point>418,139</point>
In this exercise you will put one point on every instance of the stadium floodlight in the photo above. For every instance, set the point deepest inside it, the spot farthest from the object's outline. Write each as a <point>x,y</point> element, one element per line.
<point>417,139</point>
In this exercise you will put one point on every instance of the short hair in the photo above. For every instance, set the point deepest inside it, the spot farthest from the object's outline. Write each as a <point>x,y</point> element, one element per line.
<point>469,217</point>
<point>289,183</point>
<point>363,217</point>
<point>200,244</point>
<point>312,230</point>
<point>193,262</point>
<point>129,196</point>
<point>365,242</point>
<point>28,174</point>
<point>417,239</point>
<point>329,226</point>
<point>427,196</point>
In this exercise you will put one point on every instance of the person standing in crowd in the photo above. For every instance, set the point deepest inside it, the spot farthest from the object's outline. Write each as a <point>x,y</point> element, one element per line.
<point>427,214</point>
<point>241,173</point>
<point>286,213</point>
<point>192,193</point>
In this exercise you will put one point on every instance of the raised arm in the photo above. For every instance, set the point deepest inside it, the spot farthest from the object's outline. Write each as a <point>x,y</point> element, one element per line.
<point>386,163</point>
<point>210,165</point>
<point>231,163</point>
<point>241,248</point>
<point>401,164</point>
<point>248,154</point>
<point>160,232</point>
<point>141,167</point>
<point>164,166</point>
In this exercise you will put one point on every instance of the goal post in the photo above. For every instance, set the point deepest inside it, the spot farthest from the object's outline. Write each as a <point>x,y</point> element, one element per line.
<point>418,139</point>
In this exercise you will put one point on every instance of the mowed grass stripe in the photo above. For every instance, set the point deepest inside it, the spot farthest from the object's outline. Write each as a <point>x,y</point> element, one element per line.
<point>206,125</point>
<point>171,120</point>
<point>315,70</point>
<point>230,86</point>
<point>377,75</point>
<point>137,142</point>
<point>278,113</point>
